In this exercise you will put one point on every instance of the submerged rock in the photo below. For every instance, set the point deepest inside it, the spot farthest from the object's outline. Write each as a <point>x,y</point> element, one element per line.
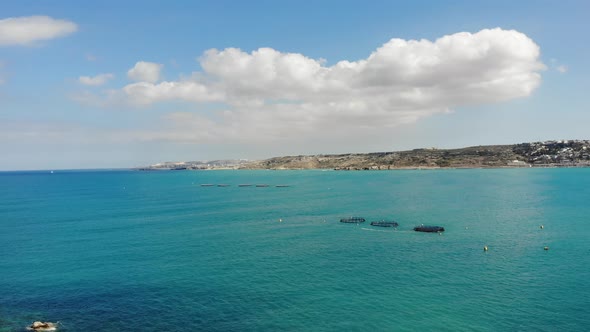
<point>42,326</point>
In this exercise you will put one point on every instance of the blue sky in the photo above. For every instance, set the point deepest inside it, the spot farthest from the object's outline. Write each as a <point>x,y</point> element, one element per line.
<point>277,83</point>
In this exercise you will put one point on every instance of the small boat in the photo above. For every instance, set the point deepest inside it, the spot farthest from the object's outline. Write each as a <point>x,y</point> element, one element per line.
<point>429,229</point>
<point>352,220</point>
<point>384,223</point>
<point>207,185</point>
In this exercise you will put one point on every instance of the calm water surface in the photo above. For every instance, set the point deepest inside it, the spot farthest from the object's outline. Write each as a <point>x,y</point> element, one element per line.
<point>155,251</point>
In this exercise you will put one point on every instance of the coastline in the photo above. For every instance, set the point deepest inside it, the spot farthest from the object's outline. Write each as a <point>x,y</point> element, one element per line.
<point>403,168</point>
<point>547,154</point>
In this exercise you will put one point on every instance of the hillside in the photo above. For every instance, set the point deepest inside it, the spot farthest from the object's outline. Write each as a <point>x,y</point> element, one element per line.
<point>538,154</point>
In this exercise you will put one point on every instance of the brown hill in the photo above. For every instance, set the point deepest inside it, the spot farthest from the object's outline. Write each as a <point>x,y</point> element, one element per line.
<point>544,154</point>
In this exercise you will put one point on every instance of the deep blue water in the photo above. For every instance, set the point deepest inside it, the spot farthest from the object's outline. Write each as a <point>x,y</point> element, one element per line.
<point>155,251</point>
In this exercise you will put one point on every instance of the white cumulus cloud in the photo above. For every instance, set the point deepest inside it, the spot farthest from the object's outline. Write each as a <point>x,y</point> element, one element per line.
<point>271,95</point>
<point>95,80</point>
<point>27,30</point>
<point>145,72</point>
<point>147,93</point>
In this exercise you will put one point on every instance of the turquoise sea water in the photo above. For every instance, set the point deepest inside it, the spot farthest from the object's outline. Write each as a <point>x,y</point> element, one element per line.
<point>155,251</point>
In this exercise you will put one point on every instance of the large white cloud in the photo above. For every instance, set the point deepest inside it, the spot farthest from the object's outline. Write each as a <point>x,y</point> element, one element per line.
<point>95,80</point>
<point>145,72</point>
<point>489,66</point>
<point>27,30</point>
<point>273,95</point>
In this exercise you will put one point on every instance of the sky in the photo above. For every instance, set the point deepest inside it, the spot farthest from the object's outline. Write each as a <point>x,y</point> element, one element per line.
<point>111,84</point>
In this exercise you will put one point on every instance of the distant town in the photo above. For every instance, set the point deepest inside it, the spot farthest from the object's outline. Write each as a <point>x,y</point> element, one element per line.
<point>195,165</point>
<point>562,153</point>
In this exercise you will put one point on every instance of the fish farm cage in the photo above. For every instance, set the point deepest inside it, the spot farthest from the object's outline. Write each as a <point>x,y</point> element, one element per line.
<point>429,229</point>
<point>352,220</point>
<point>384,223</point>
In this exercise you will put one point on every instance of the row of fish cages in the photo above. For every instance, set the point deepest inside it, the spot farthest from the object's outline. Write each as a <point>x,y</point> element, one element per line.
<point>262,185</point>
<point>394,224</point>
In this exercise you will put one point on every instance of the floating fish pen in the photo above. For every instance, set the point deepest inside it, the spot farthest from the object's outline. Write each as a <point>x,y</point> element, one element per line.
<point>352,220</point>
<point>429,229</point>
<point>223,185</point>
<point>262,185</point>
<point>282,185</point>
<point>384,223</point>
<point>207,185</point>
<point>244,185</point>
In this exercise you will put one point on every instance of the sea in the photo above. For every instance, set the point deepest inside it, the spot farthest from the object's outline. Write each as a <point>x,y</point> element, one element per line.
<point>123,250</point>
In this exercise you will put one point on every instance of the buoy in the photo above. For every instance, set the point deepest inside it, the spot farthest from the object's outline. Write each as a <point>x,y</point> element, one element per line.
<point>280,220</point>
<point>485,248</point>
<point>542,227</point>
<point>546,248</point>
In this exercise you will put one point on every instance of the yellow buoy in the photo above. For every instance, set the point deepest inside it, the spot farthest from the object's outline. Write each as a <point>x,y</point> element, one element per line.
<point>485,248</point>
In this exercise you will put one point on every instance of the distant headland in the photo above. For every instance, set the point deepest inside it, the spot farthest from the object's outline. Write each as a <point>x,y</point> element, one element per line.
<point>565,153</point>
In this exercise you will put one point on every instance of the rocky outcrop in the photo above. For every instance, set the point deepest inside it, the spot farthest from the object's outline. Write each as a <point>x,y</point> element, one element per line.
<point>42,326</point>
